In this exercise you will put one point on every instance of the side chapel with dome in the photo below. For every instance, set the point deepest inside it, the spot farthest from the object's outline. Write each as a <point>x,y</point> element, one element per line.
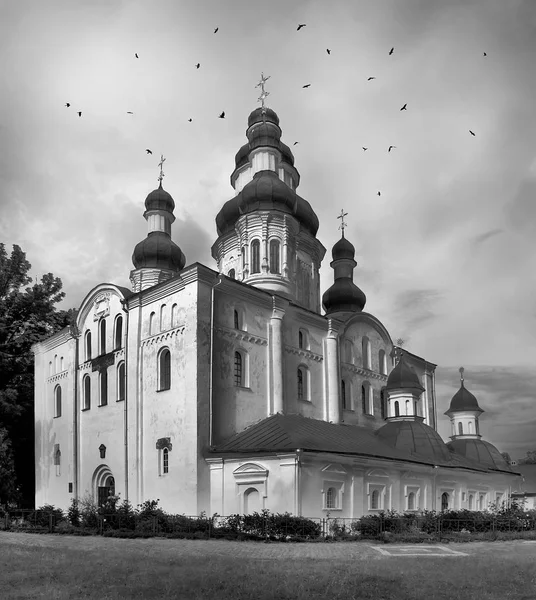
<point>242,388</point>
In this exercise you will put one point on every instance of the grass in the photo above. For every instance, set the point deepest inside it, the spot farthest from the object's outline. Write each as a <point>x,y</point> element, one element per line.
<point>104,568</point>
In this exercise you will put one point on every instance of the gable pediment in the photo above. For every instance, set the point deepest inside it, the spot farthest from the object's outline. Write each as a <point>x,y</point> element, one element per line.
<point>334,468</point>
<point>377,473</point>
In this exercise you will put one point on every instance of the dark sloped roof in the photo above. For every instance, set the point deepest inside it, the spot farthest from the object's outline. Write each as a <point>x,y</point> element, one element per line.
<point>415,437</point>
<point>480,451</point>
<point>403,377</point>
<point>463,400</point>
<point>284,433</point>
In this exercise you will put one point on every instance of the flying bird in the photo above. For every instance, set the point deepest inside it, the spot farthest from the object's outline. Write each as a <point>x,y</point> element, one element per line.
<point>371,78</point>
<point>148,151</point>
<point>189,120</point>
<point>390,148</point>
<point>379,194</point>
<point>136,55</point>
<point>216,30</point>
<point>222,116</point>
<point>129,112</point>
<point>306,86</point>
<point>365,149</point>
<point>391,51</point>
<point>80,114</point>
<point>300,25</point>
<point>405,107</point>
<point>328,50</point>
<point>485,54</point>
<point>197,65</point>
<point>295,143</point>
<point>67,104</point>
<point>472,132</point>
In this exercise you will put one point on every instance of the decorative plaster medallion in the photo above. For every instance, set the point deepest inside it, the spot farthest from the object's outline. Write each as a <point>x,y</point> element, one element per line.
<point>102,306</point>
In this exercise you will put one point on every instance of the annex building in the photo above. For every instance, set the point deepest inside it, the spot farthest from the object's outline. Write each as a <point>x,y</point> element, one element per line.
<point>242,387</point>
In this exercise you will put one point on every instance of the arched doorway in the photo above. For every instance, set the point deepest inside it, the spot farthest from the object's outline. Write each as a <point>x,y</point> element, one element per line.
<point>103,484</point>
<point>444,501</point>
<point>252,501</point>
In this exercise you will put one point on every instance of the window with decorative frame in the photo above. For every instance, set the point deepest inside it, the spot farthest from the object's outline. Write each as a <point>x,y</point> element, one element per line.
<point>376,497</point>
<point>331,498</point>
<point>275,256</point>
<point>365,345</point>
<point>118,335</point>
<point>231,274</point>
<point>382,362</point>
<point>174,310</point>
<point>367,398</point>
<point>236,316</point>
<point>102,336</point>
<point>165,461</point>
<point>103,379</point>
<point>87,392</point>
<point>445,501</point>
<point>87,345</point>
<point>332,495</point>
<point>240,368</point>
<point>57,401</point>
<point>255,256</point>
<point>164,369</point>
<point>412,497</point>
<point>121,376</point>
<point>303,339</point>
<point>471,501</point>
<point>302,381</point>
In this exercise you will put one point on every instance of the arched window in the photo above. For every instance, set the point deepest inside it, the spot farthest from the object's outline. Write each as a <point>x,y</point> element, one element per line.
<point>121,382</point>
<point>104,388</point>
<point>383,403</point>
<point>102,336</point>
<point>471,502</point>
<point>301,380</point>
<point>274,256</point>
<point>255,256</point>
<point>50,368</point>
<point>444,501</point>
<point>364,399</point>
<point>300,339</point>
<point>343,395</point>
<point>165,461</point>
<point>470,424</point>
<point>61,364</point>
<point>331,498</point>
<point>375,500</point>
<point>164,368</point>
<point>366,353</point>
<point>87,392</point>
<point>152,324</point>
<point>303,339</point>
<point>411,501</point>
<point>55,364</point>
<point>236,320</point>
<point>382,362</point>
<point>174,316</point>
<point>231,274</point>
<point>118,337</point>
<point>252,501</point>
<point>397,409</point>
<point>87,345</point>
<point>163,318</point>
<point>481,502</point>
<point>57,401</point>
<point>367,398</point>
<point>408,409</point>
<point>238,370</point>
<point>460,428</point>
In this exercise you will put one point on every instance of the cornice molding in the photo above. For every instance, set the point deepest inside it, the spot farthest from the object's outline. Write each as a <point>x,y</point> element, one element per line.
<point>163,336</point>
<point>244,291</point>
<point>58,377</point>
<point>364,372</point>
<point>55,340</point>
<point>243,336</point>
<point>304,353</point>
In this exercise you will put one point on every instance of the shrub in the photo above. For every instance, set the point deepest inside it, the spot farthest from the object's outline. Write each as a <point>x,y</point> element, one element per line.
<point>73,513</point>
<point>41,516</point>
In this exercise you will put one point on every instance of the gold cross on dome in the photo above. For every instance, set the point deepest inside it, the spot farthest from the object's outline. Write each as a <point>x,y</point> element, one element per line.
<point>343,224</point>
<point>461,369</point>
<point>161,165</point>
<point>264,93</point>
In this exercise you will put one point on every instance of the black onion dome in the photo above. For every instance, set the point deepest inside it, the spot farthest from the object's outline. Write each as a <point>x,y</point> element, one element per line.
<point>343,295</point>
<point>257,116</point>
<point>266,192</point>
<point>264,134</point>
<point>343,249</point>
<point>415,437</point>
<point>480,451</point>
<point>158,251</point>
<point>403,377</point>
<point>241,157</point>
<point>286,154</point>
<point>463,400</point>
<point>159,199</point>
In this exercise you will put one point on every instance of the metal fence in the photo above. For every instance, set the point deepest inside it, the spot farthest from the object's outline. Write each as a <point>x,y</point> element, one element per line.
<point>262,526</point>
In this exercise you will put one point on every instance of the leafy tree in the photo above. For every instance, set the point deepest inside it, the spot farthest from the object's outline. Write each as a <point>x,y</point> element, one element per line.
<point>8,488</point>
<point>529,459</point>
<point>27,314</point>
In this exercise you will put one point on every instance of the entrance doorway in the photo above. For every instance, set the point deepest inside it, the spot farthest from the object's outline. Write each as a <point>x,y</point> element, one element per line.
<point>106,490</point>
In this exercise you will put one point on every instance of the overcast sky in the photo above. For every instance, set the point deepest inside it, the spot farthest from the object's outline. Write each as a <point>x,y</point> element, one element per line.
<point>446,255</point>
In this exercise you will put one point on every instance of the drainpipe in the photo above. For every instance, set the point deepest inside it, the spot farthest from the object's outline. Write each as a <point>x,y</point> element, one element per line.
<point>125,409</point>
<point>297,502</point>
<point>211,366</point>
<point>75,415</point>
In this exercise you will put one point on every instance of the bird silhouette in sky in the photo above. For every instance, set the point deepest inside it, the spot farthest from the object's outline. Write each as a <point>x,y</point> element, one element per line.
<point>472,133</point>
<point>485,54</point>
<point>328,50</point>
<point>300,25</point>
<point>295,143</point>
<point>197,65</point>
<point>79,113</point>
<point>129,112</point>
<point>391,51</point>
<point>189,120</point>
<point>222,116</point>
<point>405,107</point>
<point>379,194</point>
<point>67,104</point>
<point>136,55</point>
<point>371,78</point>
<point>306,86</point>
<point>365,149</point>
<point>390,148</point>
<point>216,30</point>
<point>148,151</point>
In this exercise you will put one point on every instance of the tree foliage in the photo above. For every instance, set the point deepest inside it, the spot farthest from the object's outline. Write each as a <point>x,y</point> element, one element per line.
<point>28,314</point>
<point>529,459</point>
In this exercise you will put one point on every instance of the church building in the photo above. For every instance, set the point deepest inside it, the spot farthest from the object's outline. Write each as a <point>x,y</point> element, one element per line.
<point>242,388</point>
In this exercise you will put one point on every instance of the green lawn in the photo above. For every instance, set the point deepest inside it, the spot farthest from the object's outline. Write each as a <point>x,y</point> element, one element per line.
<point>102,568</point>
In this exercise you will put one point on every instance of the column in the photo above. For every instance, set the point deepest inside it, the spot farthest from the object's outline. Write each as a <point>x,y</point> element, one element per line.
<point>332,371</point>
<point>276,326</point>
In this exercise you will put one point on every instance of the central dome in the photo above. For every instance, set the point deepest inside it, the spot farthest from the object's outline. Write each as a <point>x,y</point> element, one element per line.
<point>463,400</point>
<point>403,377</point>
<point>159,199</point>
<point>415,437</point>
<point>266,192</point>
<point>158,251</point>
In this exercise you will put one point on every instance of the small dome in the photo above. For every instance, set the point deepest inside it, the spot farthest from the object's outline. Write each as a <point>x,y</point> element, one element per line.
<point>343,295</point>
<point>480,451</point>
<point>286,154</point>
<point>403,377</point>
<point>266,192</point>
<point>159,199</point>
<point>343,249</point>
<point>158,251</point>
<point>256,116</point>
<point>264,134</point>
<point>415,437</point>
<point>463,400</point>
<point>241,157</point>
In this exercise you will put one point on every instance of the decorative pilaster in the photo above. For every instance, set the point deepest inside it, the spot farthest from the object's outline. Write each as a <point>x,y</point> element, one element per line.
<point>332,372</point>
<point>276,348</point>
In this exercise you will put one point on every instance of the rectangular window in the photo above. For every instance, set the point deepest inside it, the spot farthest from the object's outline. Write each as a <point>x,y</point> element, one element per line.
<point>376,497</point>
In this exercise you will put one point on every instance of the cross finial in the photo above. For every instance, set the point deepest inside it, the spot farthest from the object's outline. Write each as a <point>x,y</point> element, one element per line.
<point>161,165</point>
<point>461,369</point>
<point>264,94</point>
<point>343,224</point>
